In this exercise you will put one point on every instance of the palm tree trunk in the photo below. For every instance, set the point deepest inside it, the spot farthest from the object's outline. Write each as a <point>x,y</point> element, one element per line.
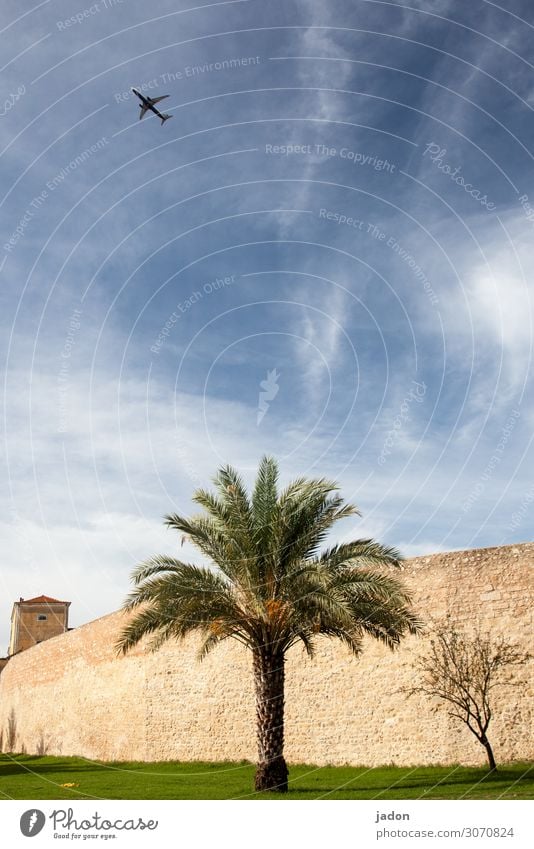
<point>271,772</point>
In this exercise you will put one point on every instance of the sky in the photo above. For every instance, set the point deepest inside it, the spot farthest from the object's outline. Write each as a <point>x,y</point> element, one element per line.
<point>325,256</point>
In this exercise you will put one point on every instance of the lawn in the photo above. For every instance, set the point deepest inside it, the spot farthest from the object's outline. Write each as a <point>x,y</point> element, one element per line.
<point>28,777</point>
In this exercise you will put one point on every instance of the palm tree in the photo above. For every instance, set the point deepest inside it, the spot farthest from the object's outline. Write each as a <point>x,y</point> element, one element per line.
<point>269,587</point>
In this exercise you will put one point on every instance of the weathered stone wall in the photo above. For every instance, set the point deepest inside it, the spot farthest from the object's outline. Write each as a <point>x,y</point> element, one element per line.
<point>76,696</point>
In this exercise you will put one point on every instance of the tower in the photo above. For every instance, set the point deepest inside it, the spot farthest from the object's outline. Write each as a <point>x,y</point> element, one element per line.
<point>36,619</point>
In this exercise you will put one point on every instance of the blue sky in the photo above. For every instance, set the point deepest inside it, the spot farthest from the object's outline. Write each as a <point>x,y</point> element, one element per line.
<point>339,217</point>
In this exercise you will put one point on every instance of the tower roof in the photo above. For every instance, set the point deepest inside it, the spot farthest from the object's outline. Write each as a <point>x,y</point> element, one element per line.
<point>42,599</point>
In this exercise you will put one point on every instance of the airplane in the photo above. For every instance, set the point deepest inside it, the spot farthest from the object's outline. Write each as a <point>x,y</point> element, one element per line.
<point>149,103</point>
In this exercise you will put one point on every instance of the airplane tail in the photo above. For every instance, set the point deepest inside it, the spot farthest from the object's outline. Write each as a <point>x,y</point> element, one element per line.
<point>165,117</point>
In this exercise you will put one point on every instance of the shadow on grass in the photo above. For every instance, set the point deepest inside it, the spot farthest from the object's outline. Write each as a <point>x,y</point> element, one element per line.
<point>466,780</point>
<point>18,765</point>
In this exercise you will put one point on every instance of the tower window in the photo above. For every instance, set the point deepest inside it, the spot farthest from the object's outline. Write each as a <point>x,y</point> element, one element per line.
<point>41,617</point>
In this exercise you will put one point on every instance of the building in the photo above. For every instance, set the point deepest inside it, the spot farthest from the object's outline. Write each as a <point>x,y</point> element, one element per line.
<point>34,620</point>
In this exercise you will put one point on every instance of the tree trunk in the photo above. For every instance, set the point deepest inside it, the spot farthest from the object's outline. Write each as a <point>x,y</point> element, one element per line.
<point>489,751</point>
<point>271,772</point>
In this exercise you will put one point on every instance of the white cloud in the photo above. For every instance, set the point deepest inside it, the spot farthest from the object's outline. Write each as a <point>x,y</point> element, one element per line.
<point>492,309</point>
<point>320,329</point>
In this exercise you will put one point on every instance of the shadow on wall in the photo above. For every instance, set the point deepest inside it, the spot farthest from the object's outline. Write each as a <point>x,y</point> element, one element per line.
<point>43,744</point>
<point>11,732</point>
<point>43,741</point>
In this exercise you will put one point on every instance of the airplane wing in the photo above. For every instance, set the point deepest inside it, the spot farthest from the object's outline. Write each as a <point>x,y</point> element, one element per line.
<point>157,99</point>
<point>144,109</point>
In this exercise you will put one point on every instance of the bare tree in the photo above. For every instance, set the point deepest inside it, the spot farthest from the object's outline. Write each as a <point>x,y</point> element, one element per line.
<point>462,670</point>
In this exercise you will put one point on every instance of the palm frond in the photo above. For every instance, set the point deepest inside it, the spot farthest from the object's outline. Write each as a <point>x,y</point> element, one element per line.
<point>264,503</point>
<point>206,535</point>
<point>361,552</point>
<point>183,600</point>
<point>227,517</point>
<point>146,622</point>
<point>208,644</point>
<point>308,523</point>
<point>154,566</point>
<point>232,491</point>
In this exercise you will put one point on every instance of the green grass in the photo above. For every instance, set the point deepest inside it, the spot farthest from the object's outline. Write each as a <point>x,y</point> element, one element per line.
<point>28,777</point>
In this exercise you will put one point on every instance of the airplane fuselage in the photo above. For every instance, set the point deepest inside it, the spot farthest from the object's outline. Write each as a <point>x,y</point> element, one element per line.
<point>141,97</point>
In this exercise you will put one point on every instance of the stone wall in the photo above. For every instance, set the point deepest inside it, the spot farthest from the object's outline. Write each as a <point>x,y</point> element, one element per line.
<point>76,696</point>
